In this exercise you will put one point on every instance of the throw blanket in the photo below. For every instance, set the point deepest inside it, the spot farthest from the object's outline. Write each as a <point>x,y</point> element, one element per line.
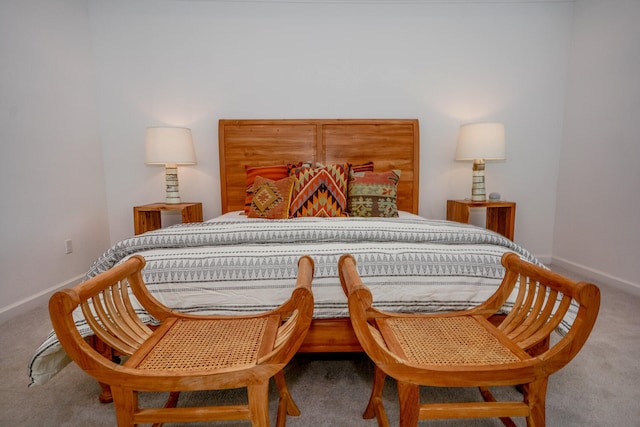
<point>237,265</point>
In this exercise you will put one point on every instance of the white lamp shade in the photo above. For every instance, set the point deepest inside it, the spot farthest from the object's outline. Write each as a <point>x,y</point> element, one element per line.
<point>481,141</point>
<point>169,145</point>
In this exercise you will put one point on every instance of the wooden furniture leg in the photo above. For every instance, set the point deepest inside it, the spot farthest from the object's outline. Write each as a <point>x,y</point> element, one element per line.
<point>286,404</point>
<point>409,396</point>
<point>375,407</point>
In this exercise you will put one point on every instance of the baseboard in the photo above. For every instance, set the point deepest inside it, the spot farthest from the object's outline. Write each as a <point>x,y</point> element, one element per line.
<point>598,276</point>
<point>545,259</point>
<point>39,299</point>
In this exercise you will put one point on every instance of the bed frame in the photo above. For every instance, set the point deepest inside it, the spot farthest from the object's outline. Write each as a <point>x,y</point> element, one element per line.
<point>389,143</point>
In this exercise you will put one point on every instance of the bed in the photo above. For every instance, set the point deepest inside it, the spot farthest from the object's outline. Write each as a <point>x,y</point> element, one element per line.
<point>237,264</point>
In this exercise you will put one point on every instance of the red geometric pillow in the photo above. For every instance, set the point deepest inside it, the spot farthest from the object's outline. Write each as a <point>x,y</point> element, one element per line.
<point>320,191</point>
<point>374,194</point>
<point>271,199</point>
<point>365,167</point>
<point>274,173</point>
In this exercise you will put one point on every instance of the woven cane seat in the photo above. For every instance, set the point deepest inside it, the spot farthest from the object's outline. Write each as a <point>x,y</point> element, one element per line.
<point>447,341</point>
<point>191,345</point>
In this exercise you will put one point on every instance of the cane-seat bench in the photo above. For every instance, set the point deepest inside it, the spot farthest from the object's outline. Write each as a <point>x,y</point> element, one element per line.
<point>185,352</point>
<point>466,349</point>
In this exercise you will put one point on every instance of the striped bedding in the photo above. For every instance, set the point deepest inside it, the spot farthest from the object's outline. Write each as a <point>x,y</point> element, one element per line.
<point>236,265</point>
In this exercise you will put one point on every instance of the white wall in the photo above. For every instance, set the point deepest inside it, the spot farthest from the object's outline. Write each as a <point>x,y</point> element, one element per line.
<point>190,63</point>
<point>598,206</point>
<point>52,175</point>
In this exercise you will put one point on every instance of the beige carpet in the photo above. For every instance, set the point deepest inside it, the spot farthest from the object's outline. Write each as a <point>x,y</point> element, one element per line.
<point>600,388</point>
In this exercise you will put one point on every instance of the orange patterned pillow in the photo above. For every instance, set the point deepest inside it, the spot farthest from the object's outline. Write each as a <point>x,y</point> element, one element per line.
<point>274,172</point>
<point>320,191</point>
<point>271,198</point>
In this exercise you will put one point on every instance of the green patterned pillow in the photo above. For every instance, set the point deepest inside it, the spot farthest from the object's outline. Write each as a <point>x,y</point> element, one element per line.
<point>271,198</point>
<point>374,194</point>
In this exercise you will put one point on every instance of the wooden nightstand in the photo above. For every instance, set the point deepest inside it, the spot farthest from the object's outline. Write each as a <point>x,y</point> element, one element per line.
<point>501,216</point>
<point>148,217</point>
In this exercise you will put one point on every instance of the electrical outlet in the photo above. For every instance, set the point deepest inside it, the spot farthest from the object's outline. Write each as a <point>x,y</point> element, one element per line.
<point>68,246</point>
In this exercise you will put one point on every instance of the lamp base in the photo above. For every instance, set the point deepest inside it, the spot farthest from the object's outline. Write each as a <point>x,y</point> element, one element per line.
<point>171,179</point>
<point>478,192</point>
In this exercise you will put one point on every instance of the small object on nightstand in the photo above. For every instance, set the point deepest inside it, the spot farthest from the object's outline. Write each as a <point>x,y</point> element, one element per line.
<point>501,215</point>
<point>494,197</point>
<point>147,217</point>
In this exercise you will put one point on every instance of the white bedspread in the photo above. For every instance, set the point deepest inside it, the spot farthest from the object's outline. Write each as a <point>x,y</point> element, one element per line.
<point>234,264</point>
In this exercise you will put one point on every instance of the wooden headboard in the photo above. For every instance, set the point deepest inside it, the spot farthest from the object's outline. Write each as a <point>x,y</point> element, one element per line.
<point>389,143</point>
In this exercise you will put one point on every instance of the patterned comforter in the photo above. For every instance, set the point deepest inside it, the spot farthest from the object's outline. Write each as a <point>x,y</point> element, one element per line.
<point>237,265</point>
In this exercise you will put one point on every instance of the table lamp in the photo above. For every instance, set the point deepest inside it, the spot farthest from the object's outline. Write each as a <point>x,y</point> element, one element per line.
<point>169,146</point>
<point>480,142</point>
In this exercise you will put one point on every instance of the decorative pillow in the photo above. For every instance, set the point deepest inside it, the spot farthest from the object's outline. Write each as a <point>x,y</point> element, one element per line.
<point>374,194</point>
<point>271,198</point>
<point>365,167</point>
<point>275,173</point>
<point>320,191</point>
